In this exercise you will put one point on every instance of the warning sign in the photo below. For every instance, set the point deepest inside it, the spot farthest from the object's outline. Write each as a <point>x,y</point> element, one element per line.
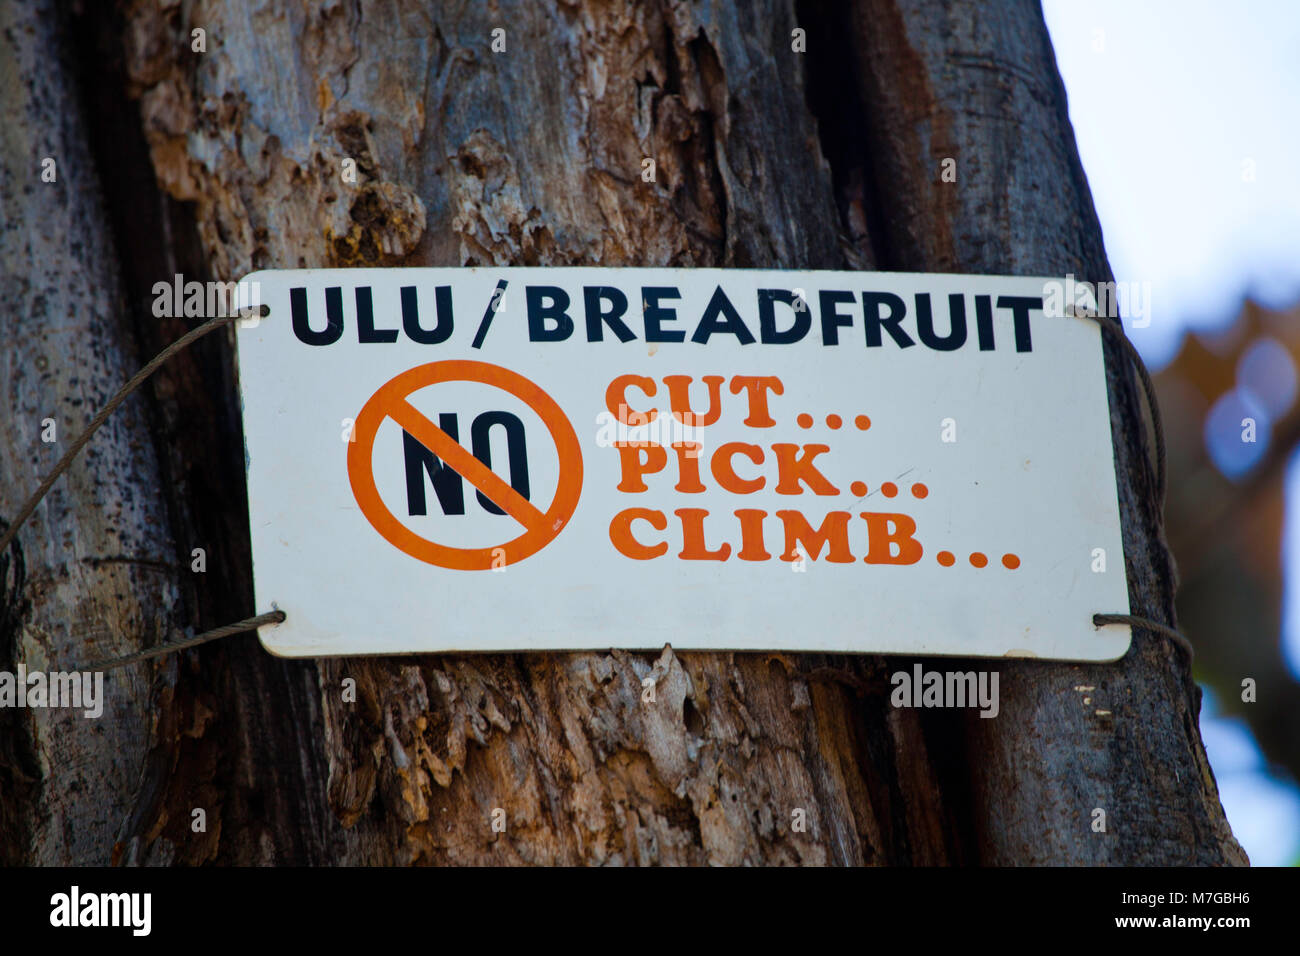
<point>458,464</point>
<point>518,459</point>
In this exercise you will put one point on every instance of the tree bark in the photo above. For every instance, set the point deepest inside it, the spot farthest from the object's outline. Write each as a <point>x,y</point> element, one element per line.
<point>765,157</point>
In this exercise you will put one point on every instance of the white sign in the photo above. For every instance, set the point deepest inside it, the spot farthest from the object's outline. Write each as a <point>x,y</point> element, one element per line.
<point>497,459</point>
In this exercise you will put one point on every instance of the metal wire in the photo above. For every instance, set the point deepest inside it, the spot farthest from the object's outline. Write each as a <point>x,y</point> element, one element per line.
<point>171,647</point>
<point>30,505</point>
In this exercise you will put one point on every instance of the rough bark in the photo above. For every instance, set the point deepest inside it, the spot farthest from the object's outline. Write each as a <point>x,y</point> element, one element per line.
<point>765,157</point>
<point>100,576</point>
<point>981,85</point>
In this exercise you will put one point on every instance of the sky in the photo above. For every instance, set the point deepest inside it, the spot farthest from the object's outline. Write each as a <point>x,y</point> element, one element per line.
<point>1187,116</point>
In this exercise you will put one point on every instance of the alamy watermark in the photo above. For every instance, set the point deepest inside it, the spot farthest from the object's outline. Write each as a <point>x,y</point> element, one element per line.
<point>79,690</point>
<point>1067,296</point>
<point>922,688</point>
<point>73,909</point>
<point>208,300</point>
<point>633,429</point>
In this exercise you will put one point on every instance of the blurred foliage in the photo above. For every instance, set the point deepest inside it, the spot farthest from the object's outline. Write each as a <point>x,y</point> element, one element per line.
<point>1232,422</point>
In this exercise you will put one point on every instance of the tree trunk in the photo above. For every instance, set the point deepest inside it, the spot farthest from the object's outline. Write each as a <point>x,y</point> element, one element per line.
<point>217,163</point>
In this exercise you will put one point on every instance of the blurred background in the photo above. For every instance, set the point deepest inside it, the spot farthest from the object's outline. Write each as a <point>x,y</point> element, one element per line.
<point>1186,114</point>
